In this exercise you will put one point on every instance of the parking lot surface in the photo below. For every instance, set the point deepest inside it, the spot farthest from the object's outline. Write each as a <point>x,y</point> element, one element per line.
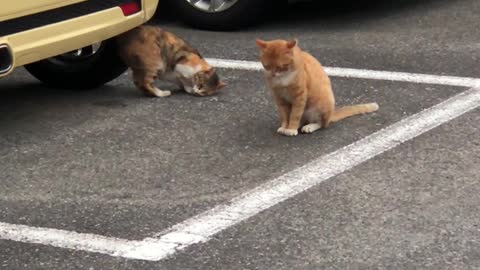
<point>112,163</point>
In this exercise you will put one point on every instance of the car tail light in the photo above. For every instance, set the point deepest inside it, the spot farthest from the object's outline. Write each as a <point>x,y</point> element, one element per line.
<point>130,8</point>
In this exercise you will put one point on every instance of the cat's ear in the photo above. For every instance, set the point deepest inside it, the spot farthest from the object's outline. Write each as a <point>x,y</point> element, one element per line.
<point>291,43</point>
<point>221,85</point>
<point>262,44</point>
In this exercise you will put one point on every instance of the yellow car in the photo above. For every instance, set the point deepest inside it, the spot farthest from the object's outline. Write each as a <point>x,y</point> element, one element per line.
<point>53,38</point>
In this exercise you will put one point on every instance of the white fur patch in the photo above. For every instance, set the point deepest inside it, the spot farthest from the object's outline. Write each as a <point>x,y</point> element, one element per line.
<point>284,78</point>
<point>189,89</point>
<point>288,132</point>
<point>196,90</point>
<point>187,71</point>
<point>311,128</point>
<point>161,93</point>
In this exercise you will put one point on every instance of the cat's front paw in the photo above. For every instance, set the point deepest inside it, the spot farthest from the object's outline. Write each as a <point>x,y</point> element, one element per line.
<point>287,132</point>
<point>161,93</point>
<point>281,130</point>
<point>164,93</point>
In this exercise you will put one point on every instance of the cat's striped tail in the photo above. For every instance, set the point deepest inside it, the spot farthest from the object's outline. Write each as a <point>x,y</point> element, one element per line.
<point>348,111</point>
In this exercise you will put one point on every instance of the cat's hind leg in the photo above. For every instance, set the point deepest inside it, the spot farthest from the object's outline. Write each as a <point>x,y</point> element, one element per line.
<point>326,119</point>
<point>323,123</point>
<point>311,120</point>
<point>310,128</point>
<point>145,82</point>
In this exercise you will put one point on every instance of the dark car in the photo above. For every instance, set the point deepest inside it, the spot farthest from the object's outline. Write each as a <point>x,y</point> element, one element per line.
<point>223,14</point>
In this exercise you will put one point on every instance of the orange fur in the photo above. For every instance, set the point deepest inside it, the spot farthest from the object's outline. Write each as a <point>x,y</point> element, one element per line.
<point>301,89</point>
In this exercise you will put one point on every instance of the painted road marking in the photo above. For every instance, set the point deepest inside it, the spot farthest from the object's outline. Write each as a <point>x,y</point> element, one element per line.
<point>362,74</point>
<point>201,228</point>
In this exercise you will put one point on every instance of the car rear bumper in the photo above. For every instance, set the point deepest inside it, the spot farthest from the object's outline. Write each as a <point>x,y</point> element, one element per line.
<point>46,36</point>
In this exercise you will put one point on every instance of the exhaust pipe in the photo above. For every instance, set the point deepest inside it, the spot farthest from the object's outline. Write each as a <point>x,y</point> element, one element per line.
<point>6,59</point>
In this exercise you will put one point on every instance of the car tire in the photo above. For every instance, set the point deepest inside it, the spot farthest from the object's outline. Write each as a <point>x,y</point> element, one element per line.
<point>241,14</point>
<point>86,72</point>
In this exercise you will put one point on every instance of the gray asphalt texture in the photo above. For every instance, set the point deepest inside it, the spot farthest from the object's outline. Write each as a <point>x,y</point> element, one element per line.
<point>115,163</point>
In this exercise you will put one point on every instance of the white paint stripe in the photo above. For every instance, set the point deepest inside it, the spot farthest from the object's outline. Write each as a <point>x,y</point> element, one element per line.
<point>66,239</point>
<point>202,227</point>
<point>84,241</point>
<point>362,74</point>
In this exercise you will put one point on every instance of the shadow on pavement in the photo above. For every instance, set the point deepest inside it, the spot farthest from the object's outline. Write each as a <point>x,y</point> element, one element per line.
<point>330,13</point>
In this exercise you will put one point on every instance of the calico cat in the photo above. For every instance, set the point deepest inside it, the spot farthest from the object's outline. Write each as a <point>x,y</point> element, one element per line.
<point>153,53</point>
<point>301,89</point>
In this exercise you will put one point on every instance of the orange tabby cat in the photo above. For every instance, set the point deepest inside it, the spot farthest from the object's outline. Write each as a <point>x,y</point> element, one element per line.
<point>301,88</point>
<point>153,53</point>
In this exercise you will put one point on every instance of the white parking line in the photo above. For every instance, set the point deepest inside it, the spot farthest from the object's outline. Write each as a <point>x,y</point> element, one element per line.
<point>362,74</point>
<point>67,239</point>
<point>201,228</point>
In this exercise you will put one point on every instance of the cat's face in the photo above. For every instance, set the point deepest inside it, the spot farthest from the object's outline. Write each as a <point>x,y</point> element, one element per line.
<point>276,56</point>
<point>207,83</point>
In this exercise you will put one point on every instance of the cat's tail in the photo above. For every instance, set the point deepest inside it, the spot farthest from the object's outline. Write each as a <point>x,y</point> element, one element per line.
<point>348,111</point>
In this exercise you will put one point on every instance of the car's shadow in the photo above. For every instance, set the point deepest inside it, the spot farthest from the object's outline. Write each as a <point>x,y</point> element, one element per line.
<point>27,106</point>
<point>30,109</point>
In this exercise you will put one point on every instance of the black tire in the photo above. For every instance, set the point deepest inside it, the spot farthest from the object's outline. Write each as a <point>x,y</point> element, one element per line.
<point>244,13</point>
<point>80,73</point>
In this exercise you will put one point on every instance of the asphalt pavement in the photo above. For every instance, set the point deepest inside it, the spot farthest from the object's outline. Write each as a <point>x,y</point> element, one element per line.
<point>111,162</point>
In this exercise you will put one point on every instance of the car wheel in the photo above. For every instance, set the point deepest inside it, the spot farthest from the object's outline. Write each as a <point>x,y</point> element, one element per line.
<point>221,14</point>
<point>86,68</point>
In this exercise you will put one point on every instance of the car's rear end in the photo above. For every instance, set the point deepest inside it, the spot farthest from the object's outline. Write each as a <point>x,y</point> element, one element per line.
<point>33,30</point>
